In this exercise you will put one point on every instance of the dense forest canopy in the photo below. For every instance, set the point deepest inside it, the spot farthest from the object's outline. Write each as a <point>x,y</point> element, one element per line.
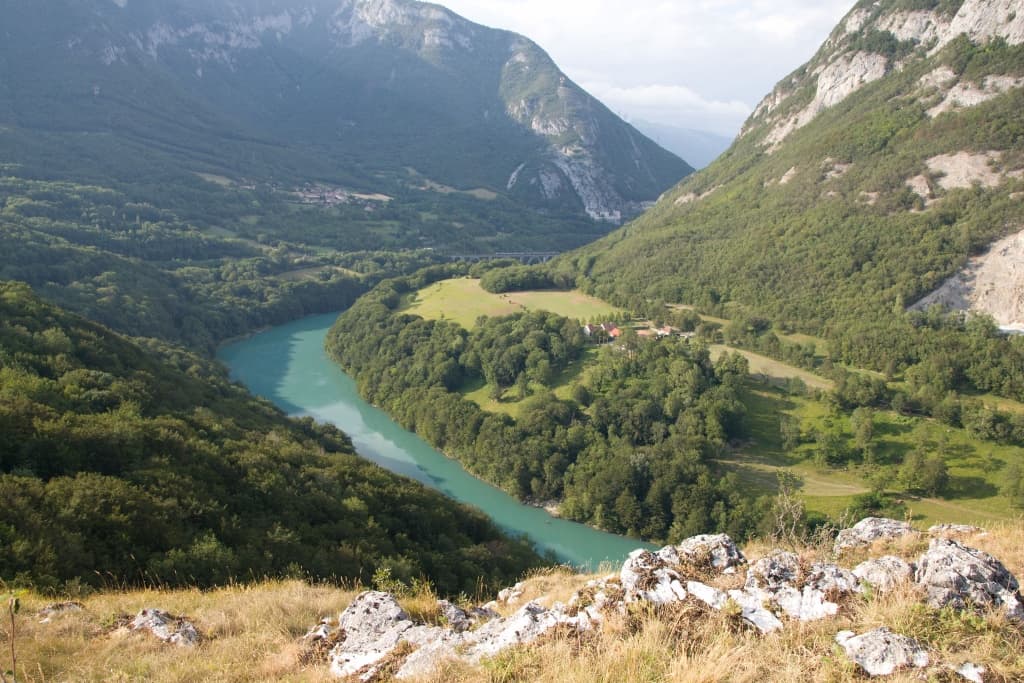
<point>138,462</point>
<point>631,452</point>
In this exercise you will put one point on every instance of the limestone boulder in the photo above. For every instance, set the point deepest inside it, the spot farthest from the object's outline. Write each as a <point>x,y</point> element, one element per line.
<point>869,530</point>
<point>884,573</point>
<point>953,574</point>
<point>167,627</point>
<point>882,652</point>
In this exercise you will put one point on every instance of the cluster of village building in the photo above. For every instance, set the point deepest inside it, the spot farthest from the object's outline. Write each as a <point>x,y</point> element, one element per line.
<point>611,332</point>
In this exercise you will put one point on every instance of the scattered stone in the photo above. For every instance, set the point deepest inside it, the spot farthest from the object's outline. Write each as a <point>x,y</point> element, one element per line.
<point>884,573</point>
<point>753,611</point>
<point>972,672</point>
<point>710,596</point>
<point>953,574</point>
<point>803,594</point>
<point>717,549</point>
<point>649,576</point>
<point>318,642</point>
<point>456,617</point>
<point>48,613</point>
<point>510,595</point>
<point>947,530</point>
<point>869,530</point>
<point>881,652</point>
<point>778,570</point>
<point>167,627</point>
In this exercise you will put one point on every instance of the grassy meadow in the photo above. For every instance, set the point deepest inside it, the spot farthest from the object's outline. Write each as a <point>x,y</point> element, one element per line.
<point>462,300</point>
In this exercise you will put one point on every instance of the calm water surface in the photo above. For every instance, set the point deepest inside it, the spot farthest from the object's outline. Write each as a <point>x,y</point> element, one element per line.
<point>288,365</point>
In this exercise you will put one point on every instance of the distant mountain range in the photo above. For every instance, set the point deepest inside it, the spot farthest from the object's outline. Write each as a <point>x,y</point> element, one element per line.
<point>698,147</point>
<point>363,92</point>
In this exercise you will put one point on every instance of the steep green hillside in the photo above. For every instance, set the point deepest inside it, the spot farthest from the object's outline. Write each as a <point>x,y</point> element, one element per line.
<point>368,94</point>
<point>143,464</point>
<point>868,177</point>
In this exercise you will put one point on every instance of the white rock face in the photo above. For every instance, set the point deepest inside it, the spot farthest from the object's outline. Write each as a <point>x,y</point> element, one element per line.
<point>838,80</point>
<point>966,94</point>
<point>840,73</point>
<point>992,283</point>
<point>856,20</point>
<point>882,652</point>
<point>917,26</point>
<point>983,20</point>
<point>964,169</point>
<point>953,574</point>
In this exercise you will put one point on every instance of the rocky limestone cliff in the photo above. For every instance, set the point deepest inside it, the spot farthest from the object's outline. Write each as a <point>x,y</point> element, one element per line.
<point>992,283</point>
<point>551,144</point>
<point>878,38</point>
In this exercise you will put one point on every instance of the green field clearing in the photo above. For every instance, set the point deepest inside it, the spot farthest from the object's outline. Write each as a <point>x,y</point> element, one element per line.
<point>774,369</point>
<point>974,466</point>
<point>313,273</point>
<point>562,386</point>
<point>462,301</point>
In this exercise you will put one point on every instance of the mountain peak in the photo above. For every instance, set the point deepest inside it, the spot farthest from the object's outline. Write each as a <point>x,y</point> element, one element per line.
<point>392,83</point>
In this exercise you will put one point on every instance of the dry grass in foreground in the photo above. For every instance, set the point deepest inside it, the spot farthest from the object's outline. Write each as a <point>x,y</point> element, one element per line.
<point>252,634</point>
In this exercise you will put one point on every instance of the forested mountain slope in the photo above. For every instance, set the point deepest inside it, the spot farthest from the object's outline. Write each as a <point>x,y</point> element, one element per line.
<point>859,185</point>
<point>382,95</point>
<point>143,464</point>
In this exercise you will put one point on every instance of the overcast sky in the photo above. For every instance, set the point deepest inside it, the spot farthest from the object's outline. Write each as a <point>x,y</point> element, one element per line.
<point>700,64</point>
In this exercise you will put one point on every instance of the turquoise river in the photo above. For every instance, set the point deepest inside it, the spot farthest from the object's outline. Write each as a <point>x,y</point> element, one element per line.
<point>288,365</point>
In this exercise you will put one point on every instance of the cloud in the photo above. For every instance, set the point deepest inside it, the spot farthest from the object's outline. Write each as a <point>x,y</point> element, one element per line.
<point>702,56</point>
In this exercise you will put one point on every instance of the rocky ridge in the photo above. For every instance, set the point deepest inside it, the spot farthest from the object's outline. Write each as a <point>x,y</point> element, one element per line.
<point>844,65</point>
<point>374,638</point>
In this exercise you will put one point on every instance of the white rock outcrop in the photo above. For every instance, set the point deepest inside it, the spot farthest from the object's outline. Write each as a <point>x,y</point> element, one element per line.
<point>869,530</point>
<point>167,627</point>
<point>374,633</point>
<point>992,283</point>
<point>802,593</point>
<point>375,638</point>
<point>885,573</point>
<point>955,575</point>
<point>882,652</point>
<point>839,79</point>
